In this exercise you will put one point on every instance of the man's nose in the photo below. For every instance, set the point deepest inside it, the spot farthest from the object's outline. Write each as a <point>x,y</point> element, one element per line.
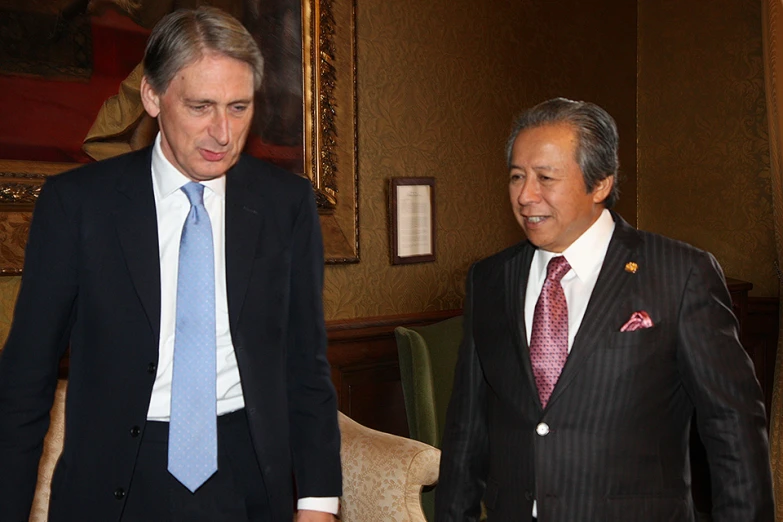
<point>220,129</point>
<point>528,192</point>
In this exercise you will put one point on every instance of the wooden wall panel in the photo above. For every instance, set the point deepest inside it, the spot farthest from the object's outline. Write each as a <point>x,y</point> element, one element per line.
<point>760,338</point>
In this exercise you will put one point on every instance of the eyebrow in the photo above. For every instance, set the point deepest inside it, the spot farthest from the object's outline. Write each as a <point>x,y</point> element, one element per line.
<point>207,101</point>
<point>539,168</point>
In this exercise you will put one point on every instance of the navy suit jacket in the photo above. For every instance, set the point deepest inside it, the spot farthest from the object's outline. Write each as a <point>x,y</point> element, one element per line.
<point>612,443</point>
<point>92,281</point>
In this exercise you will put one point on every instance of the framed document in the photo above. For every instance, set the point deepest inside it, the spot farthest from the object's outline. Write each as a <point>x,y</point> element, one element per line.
<point>412,220</point>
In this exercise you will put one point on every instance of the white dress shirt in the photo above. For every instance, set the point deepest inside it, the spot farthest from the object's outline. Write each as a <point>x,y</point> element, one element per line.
<point>172,207</point>
<point>586,256</point>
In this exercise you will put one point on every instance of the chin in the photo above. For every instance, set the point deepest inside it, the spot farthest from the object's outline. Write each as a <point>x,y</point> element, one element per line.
<point>215,170</point>
<point>539,242</point>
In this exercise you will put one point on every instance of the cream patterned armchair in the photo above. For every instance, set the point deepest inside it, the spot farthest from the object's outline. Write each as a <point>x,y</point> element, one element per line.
<point>53,445</point>
<point>383,474</point>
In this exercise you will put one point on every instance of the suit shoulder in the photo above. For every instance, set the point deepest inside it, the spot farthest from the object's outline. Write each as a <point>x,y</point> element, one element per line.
<point>500,258</point>
<point>102,172</point>
<point>274,176</point>
<point>669,246</point>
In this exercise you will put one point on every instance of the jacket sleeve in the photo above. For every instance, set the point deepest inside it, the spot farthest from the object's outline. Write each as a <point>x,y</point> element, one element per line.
<point>465,447</point>
<point>315,436</point>
<point>37,340</point>
<point>719,377</point>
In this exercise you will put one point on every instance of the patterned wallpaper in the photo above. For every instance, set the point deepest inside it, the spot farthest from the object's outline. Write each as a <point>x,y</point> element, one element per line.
<point>703,167</point>
<point>439,83</point>
<point>9,287</point>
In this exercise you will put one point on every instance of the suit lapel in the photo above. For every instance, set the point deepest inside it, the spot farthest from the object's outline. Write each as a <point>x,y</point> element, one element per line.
<point>244,219</point>
<point>137,230</point>
<point>609,288</point>
<point>516,274</point>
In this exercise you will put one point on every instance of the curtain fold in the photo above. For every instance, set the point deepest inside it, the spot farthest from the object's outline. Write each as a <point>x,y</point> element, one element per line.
<point>772,34</point>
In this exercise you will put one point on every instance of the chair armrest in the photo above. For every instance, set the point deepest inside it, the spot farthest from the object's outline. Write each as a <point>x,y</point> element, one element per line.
<point>383,474</point>
<point>53,445</point>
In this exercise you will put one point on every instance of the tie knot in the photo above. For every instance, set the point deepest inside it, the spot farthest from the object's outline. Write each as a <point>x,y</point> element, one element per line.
<point>195,193</point>
<point>557,268</point>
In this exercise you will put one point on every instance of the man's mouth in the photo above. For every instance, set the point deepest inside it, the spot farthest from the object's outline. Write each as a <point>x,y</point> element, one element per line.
<point>212,156</point>
<point>533,220</point>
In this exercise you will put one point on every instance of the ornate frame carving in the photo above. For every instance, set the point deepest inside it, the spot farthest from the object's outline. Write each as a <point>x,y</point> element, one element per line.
<point>329,63</point>
<point>330,122</point>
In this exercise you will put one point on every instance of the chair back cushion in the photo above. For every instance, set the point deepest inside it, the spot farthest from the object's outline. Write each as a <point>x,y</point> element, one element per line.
<point>428,356</point>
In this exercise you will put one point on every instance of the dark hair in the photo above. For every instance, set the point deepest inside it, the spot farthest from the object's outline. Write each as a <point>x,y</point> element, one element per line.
<point>597,138</point>
<point>182,37</point>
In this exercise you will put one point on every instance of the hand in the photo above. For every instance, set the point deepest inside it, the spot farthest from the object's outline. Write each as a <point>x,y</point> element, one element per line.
<point>305,515</point>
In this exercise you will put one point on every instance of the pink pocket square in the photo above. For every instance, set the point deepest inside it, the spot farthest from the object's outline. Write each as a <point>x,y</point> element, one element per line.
<point>638,321</point>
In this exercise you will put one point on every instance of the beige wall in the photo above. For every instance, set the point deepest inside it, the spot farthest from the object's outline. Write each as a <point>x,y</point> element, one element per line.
<point>703,148</point>
<point>438,85</point>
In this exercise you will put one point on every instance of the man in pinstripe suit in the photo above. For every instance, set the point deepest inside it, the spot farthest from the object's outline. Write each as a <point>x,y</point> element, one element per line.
<point>651,339</point>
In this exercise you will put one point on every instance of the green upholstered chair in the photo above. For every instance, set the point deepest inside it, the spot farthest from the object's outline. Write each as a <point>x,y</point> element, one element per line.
<point>428,356</point>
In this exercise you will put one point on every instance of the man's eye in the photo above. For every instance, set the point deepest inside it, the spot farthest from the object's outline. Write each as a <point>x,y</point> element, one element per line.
<point>198,108</point>
<point>239,108</point>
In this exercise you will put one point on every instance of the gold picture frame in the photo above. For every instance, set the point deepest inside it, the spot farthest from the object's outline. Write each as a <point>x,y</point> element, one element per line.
<point>330,148</point>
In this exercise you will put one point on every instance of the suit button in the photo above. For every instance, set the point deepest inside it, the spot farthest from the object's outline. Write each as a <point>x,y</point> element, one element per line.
<point>152,368</point>
<point>542,429</point>
<point>135,431</point>
<point>119,493</point>
<point>528,495</point>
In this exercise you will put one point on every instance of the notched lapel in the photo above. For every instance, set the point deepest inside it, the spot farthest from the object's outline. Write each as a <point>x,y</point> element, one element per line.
<point>244,222</point>
<point>516,274</point>
<point>137,229</point>
<point>613,281</point>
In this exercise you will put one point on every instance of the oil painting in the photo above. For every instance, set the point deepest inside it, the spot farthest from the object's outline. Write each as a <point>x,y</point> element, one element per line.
<point>69,76</point>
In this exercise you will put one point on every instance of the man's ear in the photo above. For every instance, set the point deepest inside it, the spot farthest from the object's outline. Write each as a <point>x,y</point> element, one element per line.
<point>602,189</point>
<point>149,98</point>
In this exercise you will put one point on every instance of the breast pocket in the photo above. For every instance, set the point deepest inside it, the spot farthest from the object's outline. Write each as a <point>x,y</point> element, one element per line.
<point>643,337</point>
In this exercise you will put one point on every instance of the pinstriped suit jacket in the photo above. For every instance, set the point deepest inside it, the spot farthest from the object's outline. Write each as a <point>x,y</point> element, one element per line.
<point>619,418</point>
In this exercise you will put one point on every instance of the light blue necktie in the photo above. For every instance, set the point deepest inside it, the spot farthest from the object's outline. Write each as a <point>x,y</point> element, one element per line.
<point>193,425</point>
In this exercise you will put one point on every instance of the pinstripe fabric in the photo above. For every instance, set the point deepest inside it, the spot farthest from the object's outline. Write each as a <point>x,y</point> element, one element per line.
<point>618,420</point>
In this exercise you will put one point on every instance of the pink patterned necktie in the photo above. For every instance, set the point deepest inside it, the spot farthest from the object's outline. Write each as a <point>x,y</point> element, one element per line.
<point>549,339</point>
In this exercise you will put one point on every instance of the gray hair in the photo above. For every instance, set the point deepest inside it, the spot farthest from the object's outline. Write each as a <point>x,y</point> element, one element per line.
<point>596,133</point>
<point>185,35</point>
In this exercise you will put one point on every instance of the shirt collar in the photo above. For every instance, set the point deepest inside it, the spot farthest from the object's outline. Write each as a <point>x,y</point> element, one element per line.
<point>169,180</point>
<point>586,254</point>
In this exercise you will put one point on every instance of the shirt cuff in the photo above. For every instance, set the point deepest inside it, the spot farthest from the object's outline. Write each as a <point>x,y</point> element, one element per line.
<point>325,504</point>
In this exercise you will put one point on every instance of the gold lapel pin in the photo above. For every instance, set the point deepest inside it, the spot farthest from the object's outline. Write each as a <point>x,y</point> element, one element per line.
<point>631,267</point>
